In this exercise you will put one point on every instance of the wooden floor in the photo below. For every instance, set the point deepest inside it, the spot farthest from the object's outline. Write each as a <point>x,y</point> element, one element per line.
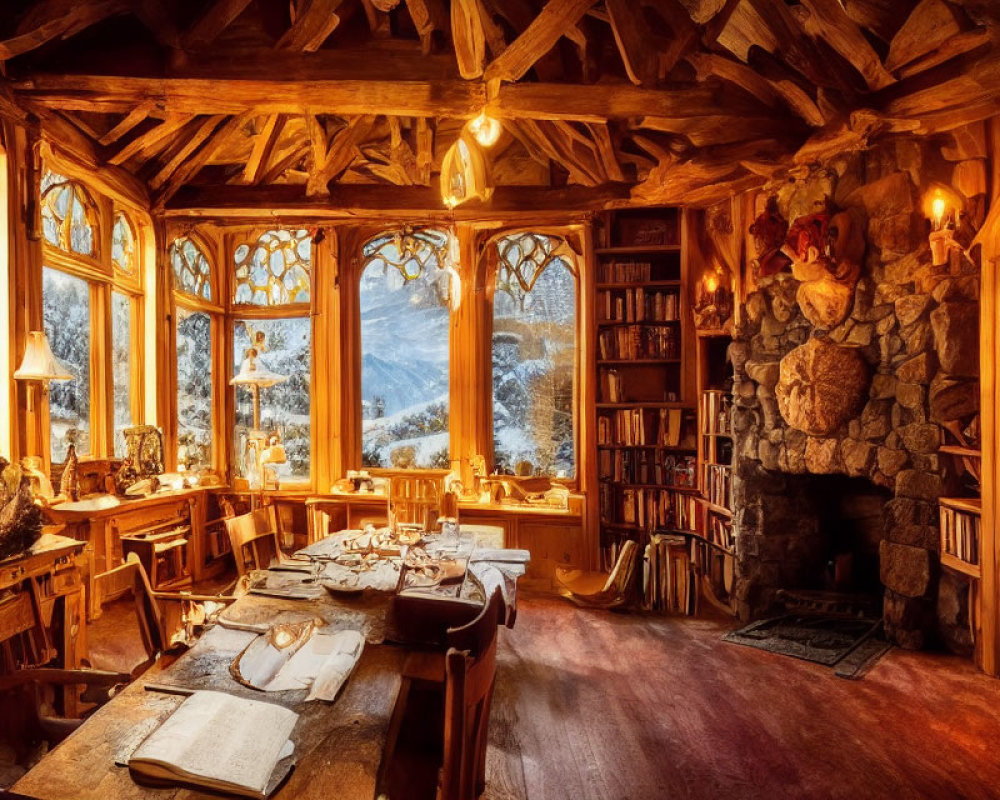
<point>594,704</point>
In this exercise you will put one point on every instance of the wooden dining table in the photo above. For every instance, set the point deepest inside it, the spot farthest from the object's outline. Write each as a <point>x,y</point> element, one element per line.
<point>339,746</point>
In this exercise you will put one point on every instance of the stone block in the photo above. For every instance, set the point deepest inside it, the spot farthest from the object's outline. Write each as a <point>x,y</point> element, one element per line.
<point>891,461</point>
<point>906,619</point>
<point>910,308</point>
<point>858,457</point>
<point>956,338</point>
<point>821,455</point>
<point>765,373</point>
<point>883,387</point>
<point>769,326</point>
<point>910,395</point>
<point>893,194</point>
<point>923,536</point>
<point>904,569</point>
<point>921,437</point>
<point>875,419</point>
<point>919,484</point>
<point>917,337</point>
<point>917,369</point>
<point>953,399</point>
<point>861,334</point>
<point>821,386</point>
<point>756,307</point>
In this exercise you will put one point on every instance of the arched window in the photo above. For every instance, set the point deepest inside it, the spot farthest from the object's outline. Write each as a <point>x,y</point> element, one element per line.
<point>274,270</point>
<point>534,356</point>
<point>69,217</point>
<point>124,253</point>
<point>404,298</point>
<point>192,269</point>
<point>194,387</point>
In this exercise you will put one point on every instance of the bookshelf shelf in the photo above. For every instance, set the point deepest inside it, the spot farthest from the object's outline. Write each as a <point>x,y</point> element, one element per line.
<point>717,509</point>
<point>639,361</point>
<point>627,250</point>
<point>668,447</point>
<point>645,404</point>
<point>970,505</point>
<point>957,450</point>
<point>631,284</point>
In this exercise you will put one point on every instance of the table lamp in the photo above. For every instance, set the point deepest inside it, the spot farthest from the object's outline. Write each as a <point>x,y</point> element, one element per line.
<point>256,377</point>
<point>40,365</point>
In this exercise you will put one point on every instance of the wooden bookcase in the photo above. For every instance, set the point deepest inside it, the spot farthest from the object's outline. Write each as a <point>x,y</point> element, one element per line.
<point>961,530</point>
<point>713,550</point>
<point>646,445</point>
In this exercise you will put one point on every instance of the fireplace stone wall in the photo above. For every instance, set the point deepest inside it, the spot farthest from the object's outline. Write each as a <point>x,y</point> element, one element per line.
<point>916,327</point>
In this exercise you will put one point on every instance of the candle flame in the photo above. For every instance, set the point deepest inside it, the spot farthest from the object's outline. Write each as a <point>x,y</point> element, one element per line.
<point>711,283</point>
<point>938,209</point>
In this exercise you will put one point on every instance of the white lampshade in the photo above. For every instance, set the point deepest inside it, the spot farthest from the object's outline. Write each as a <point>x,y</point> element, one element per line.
<point>251,374</point>
<point>38,363</point>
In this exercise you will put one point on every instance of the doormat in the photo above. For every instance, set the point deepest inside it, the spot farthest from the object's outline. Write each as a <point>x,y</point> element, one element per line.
<point>849,645</point>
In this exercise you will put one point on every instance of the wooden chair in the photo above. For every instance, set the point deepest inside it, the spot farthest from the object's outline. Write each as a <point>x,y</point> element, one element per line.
<point>470,675</point>
<point>598,590</point>
<point>254,539</point>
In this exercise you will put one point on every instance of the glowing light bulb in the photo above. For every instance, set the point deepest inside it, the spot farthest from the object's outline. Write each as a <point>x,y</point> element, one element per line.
<point>485,129</point>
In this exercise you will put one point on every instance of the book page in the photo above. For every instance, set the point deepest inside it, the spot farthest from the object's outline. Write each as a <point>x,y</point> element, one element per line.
<point>219,740</point>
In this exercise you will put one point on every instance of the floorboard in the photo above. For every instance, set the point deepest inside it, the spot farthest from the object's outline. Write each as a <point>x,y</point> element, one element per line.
<point>596,705</point>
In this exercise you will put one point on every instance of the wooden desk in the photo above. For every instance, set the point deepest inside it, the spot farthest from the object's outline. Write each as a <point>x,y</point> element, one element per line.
<point>339,746</point>
<point>46,578</point>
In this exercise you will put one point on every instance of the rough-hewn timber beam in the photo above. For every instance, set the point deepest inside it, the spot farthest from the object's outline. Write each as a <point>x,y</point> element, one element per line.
<point>55,19</point>
<point>459,99</point>
<point>350,200</point>
<point>556,16</point>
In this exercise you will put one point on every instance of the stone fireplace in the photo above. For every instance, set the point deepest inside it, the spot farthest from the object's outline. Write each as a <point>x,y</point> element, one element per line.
<point>837,428</point>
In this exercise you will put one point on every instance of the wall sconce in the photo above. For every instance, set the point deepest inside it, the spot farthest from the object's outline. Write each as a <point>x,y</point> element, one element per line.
<point>40,365</point>
<point>943,224</point>
<point>713,302</point>
<point>464,173</point>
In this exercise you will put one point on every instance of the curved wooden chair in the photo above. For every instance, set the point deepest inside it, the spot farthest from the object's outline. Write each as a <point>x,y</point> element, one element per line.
<point>254,539</point>
<point>600,590</point>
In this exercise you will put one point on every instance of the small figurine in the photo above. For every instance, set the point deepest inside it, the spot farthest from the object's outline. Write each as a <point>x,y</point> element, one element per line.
<point>69,483</point>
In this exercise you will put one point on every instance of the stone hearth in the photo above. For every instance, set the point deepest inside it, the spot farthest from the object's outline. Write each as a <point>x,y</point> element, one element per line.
<point>866,398</point>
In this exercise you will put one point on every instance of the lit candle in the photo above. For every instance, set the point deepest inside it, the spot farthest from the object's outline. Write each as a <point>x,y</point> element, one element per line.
<point>937,212</point>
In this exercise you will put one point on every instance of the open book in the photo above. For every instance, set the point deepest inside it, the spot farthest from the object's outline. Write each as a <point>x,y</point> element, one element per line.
<point>220,742</point>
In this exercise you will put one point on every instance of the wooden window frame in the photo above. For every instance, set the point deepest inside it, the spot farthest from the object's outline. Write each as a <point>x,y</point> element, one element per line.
<point>102,279</point>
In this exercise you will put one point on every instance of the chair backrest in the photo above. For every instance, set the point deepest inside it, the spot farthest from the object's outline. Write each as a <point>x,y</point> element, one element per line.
<point>131,577</point>
<point>470,675</point>
<point>254,538</point>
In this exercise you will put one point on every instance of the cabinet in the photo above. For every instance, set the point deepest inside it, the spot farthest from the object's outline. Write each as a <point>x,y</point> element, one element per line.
<point>961,528</point>
<point>646,446</point>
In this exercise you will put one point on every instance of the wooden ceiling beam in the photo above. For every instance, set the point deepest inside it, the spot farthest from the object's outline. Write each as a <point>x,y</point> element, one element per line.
<point>133,118</point>
<point>539,37</point>
<point>263,146</point>
<point>58,19</point>
<point>440,99</point>
<point>635,45</point>
<point>428,16</point>
<point>828,20</point>
<point>201,133</point>
<point>316,20</point>
<point>350,200</point>
<point>342,151</point>
<point>190,168</point>
<point>468,37</point>
<point>214,21</point>
<point>144,144</point>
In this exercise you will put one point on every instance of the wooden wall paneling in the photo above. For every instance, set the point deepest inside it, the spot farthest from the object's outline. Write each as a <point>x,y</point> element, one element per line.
<point>29,435</point>
<point>988,634</point>
<point>164,311</point>
<point>587,398</point>
<point>688,237</point>
<point>351,240</point>
<point>101,402</point>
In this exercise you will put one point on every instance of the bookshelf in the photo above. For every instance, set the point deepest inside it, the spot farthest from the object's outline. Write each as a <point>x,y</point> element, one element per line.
<point>714,548</point>
<point>960,526</point>
<point>646,422</point>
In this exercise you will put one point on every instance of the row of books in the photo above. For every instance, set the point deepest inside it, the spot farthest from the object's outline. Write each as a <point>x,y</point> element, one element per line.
<point>667,583</point>
<point>632,426</point>
<point>718,485</point>
<point>715,407</point>
<point>720,532</point>
<point>648,509</point>
<point>625,271</point>
<point>640,305</point>
<point>961,534</point>
<point>638,341</point>
<point>645,467</point>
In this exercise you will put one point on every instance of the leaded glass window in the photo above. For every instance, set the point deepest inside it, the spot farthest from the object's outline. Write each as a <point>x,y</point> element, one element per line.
<point>69,218</point>
<point>124,254</point>
<point>191,267</point>
<point>405,295</point>
<point>534,356</point>
<point>274,270</point>
<point>66,316</point>
<point>194,387</point>
<point>121,368</point>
